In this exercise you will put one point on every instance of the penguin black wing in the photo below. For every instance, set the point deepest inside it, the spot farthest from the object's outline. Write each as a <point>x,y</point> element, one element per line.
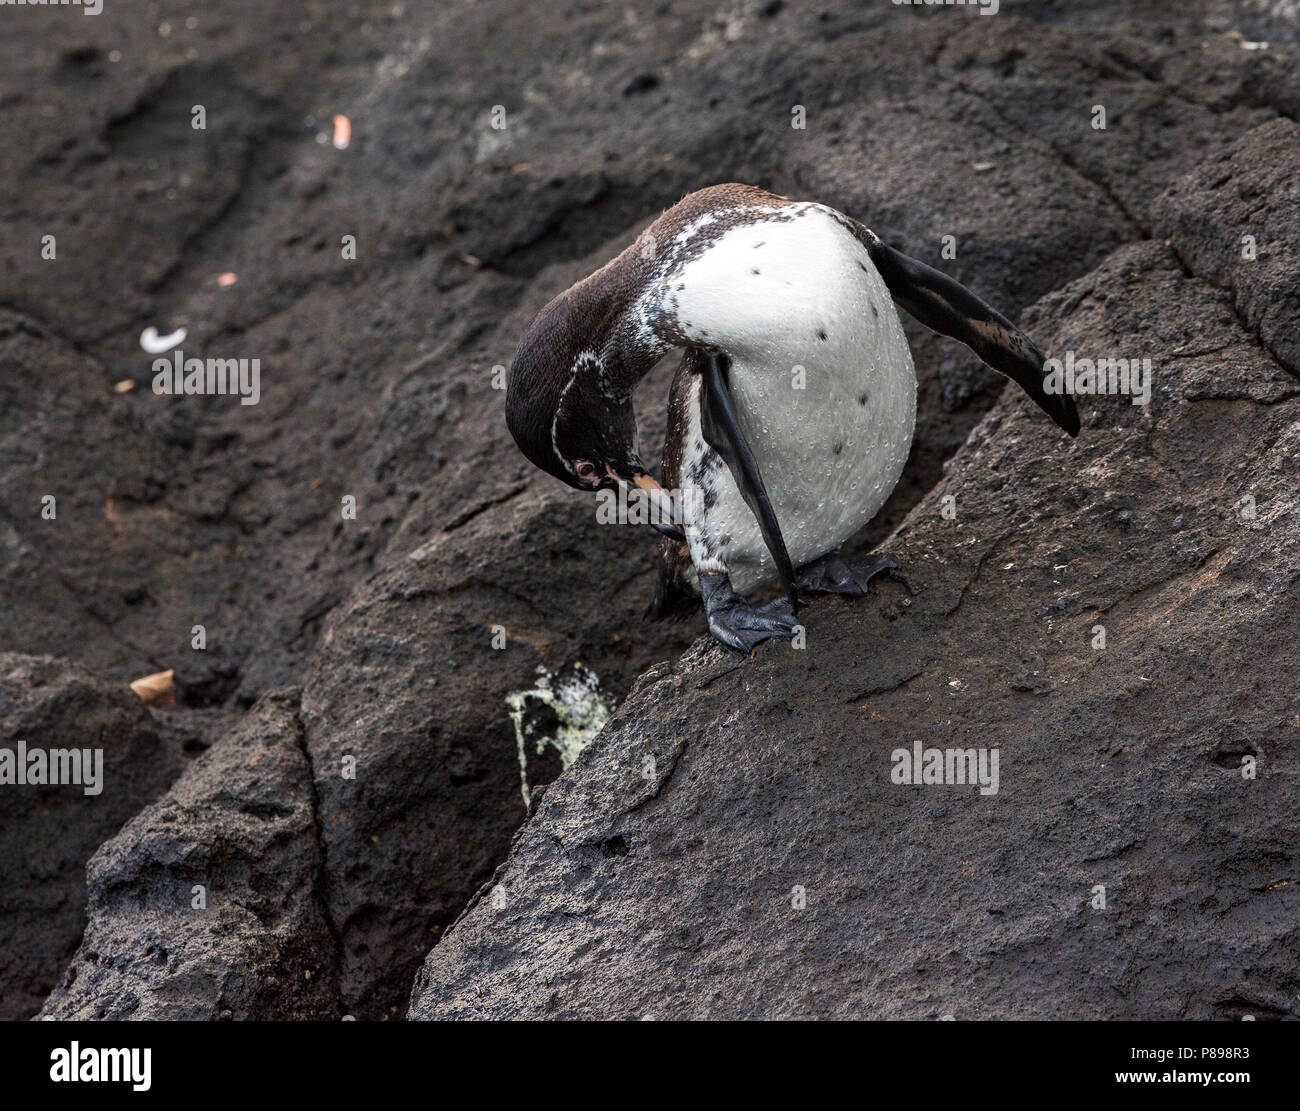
<point>722,433</point>
<point>949,308</point>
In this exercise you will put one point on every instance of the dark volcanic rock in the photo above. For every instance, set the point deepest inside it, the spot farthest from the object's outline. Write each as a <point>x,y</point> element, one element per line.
<point>1234,220</point>
<point>412,682</point>
<point>733,844</point>
<point>47,833</point>
<point>209,904</point>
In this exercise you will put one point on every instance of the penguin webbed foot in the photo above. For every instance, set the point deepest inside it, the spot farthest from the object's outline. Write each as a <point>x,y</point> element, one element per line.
<point>837,574</point>
<point>740,624</point>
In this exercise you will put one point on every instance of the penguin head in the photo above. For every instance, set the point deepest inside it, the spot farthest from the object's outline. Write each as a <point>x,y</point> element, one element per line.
<point>566,415</point>
<point>568,426</point>
<point>560,406</point>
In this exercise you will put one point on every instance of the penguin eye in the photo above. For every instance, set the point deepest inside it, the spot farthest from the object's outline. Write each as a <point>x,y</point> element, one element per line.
<point>584,469</point>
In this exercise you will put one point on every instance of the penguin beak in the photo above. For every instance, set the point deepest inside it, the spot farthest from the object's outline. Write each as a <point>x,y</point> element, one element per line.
<point>663,512</point>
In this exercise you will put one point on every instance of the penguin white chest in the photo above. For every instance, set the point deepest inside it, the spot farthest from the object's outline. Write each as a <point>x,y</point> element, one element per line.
<point>823,384</point>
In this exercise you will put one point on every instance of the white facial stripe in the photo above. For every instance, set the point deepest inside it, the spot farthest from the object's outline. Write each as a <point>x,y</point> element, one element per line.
<point>585,360</point>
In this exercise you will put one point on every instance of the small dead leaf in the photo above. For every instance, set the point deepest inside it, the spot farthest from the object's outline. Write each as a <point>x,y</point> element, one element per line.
<point>156,689</point>
<point>124,385</point>
<point>342,132</point>
<point>317,483</point>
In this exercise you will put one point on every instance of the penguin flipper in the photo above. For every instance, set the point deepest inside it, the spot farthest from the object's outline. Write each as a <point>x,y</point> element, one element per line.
<point>946,306</point>
<point>722,433</point>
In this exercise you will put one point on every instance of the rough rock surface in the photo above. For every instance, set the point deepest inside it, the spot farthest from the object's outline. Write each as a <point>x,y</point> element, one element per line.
<point>409,683</point>
<point>1114,617</point>
<point>48,832</point>
<point>210,903</point>
<point>376,379</point>
<point>671,893</point>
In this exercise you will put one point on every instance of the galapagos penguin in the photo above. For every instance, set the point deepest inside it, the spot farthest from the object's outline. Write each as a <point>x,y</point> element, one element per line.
<point>792,412</point>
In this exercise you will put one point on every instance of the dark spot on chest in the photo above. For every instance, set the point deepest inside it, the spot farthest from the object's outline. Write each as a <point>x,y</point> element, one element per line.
<point>755,270</point>
<point>821,334</point>
<point>862,399</point>
<point>874,311</point>
<point>837,449</point>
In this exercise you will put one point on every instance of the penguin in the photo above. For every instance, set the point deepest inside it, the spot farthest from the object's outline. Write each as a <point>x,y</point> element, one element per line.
<point>791,413</point>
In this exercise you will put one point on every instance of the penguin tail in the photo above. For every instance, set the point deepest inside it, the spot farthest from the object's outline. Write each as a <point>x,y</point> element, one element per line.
<point>672,597</point>
<point>946,306</point>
